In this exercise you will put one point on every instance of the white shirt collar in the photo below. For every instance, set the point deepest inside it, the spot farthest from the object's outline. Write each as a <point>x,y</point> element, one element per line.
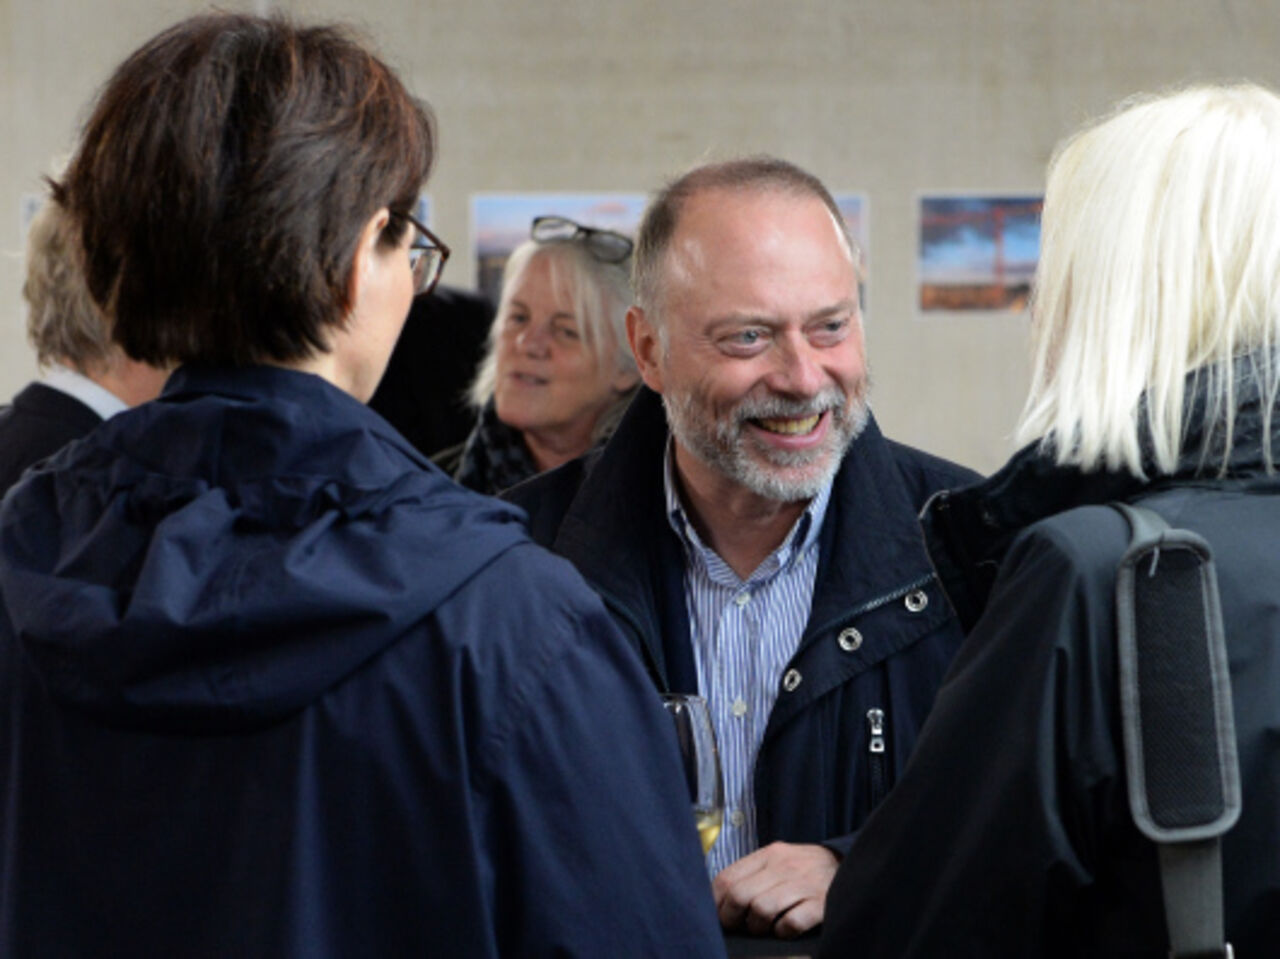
<point>803,534</point>
<point>78,386</point>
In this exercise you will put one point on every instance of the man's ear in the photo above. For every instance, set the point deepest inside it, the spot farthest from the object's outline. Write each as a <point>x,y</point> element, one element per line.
<point>646,346</point>
<point>365,259</point>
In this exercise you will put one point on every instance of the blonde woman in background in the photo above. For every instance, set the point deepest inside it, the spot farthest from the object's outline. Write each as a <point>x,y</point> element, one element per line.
<point>558,372</point>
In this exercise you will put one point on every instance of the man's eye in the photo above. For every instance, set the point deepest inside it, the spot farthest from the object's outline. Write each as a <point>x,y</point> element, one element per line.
<point>746,342</point>
<point>831,331</point>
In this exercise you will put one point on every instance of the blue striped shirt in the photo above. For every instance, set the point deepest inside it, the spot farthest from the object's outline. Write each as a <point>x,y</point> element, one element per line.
<point>744,633</point>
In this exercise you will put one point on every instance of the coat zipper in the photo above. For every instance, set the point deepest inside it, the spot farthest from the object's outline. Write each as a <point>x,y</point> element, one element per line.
<point>876,754</point>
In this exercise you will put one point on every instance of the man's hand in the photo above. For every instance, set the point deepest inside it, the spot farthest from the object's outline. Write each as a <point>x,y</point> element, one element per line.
<point>780,889</point>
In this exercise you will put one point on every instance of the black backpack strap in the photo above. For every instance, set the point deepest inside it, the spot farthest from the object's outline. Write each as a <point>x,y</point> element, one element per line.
<point>1179,734</point>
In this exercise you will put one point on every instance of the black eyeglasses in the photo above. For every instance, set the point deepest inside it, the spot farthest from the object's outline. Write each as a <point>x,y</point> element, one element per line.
<point>427,255</point>
<point>605,245</point>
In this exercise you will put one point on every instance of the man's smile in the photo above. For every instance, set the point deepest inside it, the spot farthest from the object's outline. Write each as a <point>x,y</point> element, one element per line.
<point>791,426</point>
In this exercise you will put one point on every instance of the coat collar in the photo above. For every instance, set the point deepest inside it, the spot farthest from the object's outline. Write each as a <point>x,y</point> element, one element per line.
<point>615,529</point>
<point>615,533</point>
<point>315,409</point>
<point>969,530</point>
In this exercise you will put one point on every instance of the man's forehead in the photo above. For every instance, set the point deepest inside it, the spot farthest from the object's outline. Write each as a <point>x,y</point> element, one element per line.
<point>720,217</point>
<point>727,207</point>
<point>722,229</point>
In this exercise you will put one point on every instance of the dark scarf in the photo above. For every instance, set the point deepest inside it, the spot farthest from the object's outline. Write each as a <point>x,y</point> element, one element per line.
<point>494,457</point>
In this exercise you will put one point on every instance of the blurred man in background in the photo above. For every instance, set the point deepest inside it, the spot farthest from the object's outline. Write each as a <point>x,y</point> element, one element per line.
<point>87,377</point>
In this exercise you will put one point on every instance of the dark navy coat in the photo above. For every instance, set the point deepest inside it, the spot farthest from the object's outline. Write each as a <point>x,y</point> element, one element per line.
<point>40,421</point>
<point>880,634</point>
<point>271,685</point>
<point>1010,834</point>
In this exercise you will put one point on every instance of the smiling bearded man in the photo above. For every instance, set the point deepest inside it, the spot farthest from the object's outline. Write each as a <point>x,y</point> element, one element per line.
<point>758,543</point>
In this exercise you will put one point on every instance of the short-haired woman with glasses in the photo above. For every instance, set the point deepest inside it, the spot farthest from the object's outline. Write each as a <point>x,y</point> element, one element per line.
<point>270,684</point>
<point>558,371</point>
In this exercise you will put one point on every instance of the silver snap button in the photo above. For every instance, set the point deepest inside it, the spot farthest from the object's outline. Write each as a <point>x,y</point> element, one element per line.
<point>739,708</point>
<point>791,680</point>
<point>849,639</point>
<point>917,600</point>
<point>737,818</point>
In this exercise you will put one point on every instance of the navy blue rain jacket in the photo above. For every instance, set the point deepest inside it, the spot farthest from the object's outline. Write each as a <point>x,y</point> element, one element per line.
<point>271,685</point>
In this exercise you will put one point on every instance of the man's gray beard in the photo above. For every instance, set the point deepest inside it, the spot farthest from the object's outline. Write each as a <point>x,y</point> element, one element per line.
<point>722,445</point>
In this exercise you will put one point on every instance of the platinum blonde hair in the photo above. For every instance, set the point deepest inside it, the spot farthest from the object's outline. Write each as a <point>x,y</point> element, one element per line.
<point>1160,258</point>
<point>63,322</point>
<point>599,292</point>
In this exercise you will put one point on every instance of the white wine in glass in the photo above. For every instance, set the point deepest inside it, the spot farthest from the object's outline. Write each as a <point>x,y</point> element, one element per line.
<point>697,741</point>
<point>709,823</point>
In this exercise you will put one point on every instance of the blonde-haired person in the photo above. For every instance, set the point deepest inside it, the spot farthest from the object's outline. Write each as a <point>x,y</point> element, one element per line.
<point>87,378</point>
<point>1155,323</point>
<point>557,372</point>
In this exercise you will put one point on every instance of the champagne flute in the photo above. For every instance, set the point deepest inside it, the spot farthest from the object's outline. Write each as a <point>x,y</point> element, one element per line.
<point>697,741</point>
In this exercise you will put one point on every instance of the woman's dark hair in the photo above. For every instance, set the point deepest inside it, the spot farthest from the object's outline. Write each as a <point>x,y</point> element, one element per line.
<point>224,178</point>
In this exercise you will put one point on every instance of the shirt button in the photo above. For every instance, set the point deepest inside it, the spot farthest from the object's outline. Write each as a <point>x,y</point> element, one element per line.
<point>739,707</point>
<point>791,680</point>
<point>850,640</point>
<point>737,818</point>
<point>916,600</point>
<point>742,599</point>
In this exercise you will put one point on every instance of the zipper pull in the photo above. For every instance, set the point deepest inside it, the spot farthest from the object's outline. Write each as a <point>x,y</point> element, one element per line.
<point>875,720</point>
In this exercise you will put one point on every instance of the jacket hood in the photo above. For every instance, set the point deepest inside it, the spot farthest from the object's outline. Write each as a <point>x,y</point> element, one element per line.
<point>219,558</point>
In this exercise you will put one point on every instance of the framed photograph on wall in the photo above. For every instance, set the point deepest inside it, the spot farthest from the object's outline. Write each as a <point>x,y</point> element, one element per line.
<point>500,222</point>
<point>977,252</point>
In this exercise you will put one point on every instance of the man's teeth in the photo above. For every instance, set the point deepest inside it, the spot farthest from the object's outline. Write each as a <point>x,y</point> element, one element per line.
<point>791,426</point>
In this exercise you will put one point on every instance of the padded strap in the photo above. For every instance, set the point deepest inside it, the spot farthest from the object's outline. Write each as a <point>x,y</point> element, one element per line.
<point>1179,733</point>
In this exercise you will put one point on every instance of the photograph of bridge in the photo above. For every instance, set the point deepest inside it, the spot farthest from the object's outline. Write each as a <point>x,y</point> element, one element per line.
<point>978,252</point>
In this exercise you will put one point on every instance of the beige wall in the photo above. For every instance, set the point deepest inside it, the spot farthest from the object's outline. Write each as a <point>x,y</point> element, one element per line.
<point>889,97</point>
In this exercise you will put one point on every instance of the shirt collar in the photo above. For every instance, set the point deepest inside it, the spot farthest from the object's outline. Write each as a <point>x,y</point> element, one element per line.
<point>78,386</point>
<point>803,535</point>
